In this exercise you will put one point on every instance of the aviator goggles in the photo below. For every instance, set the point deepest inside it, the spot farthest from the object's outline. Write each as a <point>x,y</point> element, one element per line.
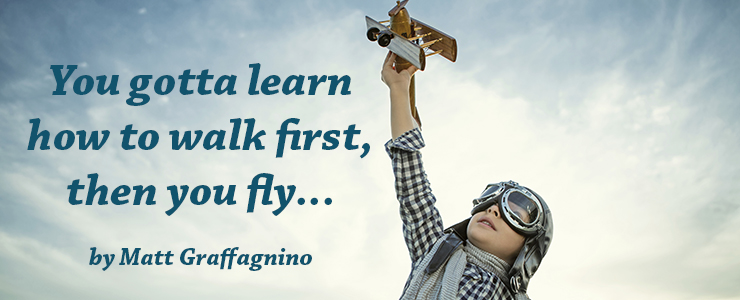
<point>519,207</point>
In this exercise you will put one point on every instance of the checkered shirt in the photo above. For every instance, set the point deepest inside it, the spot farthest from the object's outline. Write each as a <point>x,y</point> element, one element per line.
<point>422,224</point>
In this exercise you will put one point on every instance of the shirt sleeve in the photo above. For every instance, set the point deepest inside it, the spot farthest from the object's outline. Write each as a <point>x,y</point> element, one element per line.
<point>422,224</point>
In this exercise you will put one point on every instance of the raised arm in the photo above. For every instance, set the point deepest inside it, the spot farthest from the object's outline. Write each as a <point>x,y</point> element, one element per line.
<point>398,83</point>
<point>422,224</point>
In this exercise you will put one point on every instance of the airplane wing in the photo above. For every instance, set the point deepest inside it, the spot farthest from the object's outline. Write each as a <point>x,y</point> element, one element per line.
<point>441,43</point>
<point>398,44</point>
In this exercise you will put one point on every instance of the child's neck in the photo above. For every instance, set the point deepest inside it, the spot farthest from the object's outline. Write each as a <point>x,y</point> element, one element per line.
<point>487,261</point>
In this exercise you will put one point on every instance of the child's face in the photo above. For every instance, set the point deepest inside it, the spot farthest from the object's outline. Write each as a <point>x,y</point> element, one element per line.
<point>488,231</point>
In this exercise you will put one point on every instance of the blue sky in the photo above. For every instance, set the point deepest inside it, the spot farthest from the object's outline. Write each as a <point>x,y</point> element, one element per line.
<point>623,115</point>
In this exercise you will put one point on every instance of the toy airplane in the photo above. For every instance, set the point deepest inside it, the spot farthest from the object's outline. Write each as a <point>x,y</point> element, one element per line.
<point>412,40</point>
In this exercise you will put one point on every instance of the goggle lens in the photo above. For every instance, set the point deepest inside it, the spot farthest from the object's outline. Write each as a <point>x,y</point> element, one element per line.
<point>523,208</point>
<point>520,208</point>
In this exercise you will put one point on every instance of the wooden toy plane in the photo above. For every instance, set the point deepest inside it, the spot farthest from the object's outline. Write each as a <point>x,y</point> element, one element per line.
<point>412,40</point>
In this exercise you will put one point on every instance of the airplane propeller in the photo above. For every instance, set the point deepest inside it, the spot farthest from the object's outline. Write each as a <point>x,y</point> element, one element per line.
<point>399,6</point>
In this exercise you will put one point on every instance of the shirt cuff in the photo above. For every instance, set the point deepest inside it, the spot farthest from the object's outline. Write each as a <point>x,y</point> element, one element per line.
<point>409,141</point>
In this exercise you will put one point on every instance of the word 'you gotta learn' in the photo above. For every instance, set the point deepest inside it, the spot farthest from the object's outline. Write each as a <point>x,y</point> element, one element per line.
<point>293,84</point>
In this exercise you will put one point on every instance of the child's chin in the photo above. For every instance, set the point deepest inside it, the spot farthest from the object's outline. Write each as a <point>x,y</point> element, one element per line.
<point>479,237</point>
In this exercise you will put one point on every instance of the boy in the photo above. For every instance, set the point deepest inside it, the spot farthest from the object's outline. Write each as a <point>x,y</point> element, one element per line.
<point>491,255</point>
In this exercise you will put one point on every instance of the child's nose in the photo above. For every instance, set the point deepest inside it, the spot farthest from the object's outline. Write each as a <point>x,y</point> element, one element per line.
<point>494,210</point>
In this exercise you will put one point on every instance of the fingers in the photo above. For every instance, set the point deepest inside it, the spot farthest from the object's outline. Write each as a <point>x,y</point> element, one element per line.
<point>387,64</point>
<point>412,69</point>
<point>389,59</point>
<point>391,76</point>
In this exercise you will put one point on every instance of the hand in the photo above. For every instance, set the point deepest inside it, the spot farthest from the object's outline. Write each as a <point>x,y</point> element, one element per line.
<point>395,79</point>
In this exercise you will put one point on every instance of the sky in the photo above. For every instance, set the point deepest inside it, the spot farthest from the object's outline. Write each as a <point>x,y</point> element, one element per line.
<point>621,114</point>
